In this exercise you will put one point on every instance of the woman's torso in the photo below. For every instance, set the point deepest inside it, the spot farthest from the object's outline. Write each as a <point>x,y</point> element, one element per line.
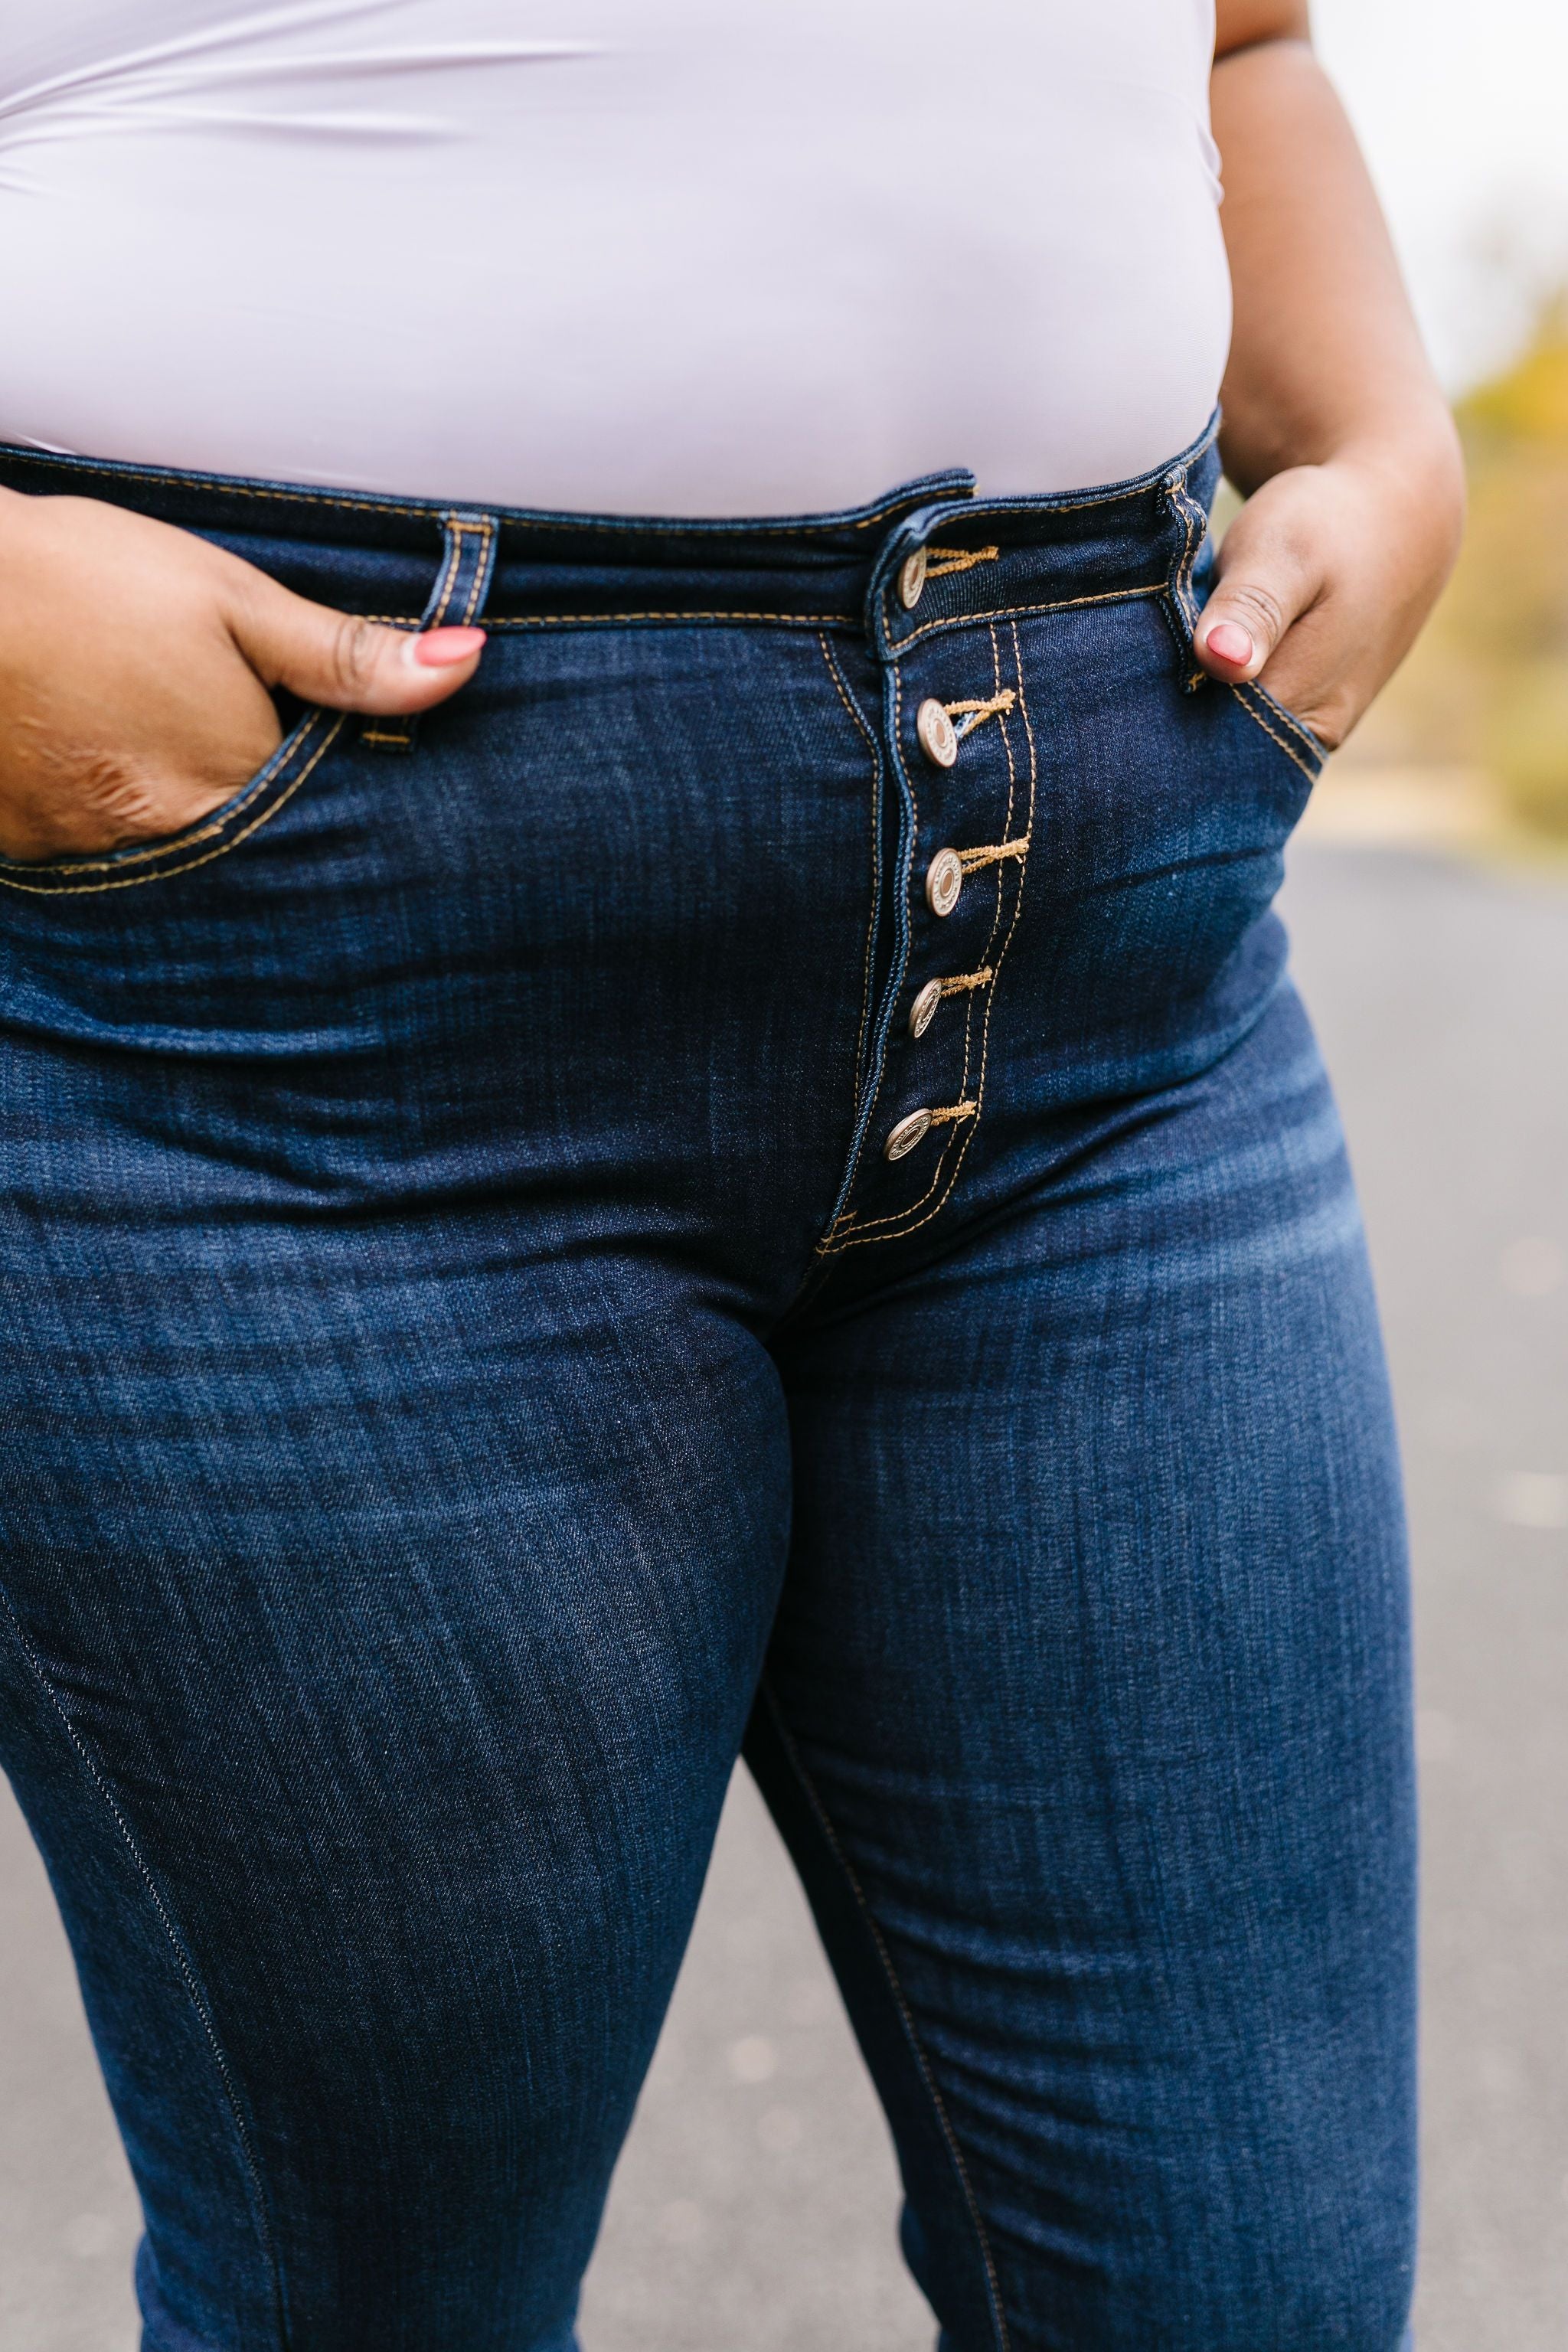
<point>701,256</point>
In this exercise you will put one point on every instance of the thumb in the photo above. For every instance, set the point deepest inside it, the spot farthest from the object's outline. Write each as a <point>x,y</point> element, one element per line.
<point>344,661</point>
<point>1264,584</point>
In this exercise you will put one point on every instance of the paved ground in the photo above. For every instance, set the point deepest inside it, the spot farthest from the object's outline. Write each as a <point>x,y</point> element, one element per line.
<point>754,2208</point>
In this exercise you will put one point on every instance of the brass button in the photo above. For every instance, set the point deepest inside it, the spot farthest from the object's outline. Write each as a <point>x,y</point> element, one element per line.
<point>922,1011</point>
<point>939,736</point>
<point>944,880</point>
<point>907,1134</point>
<point>912,579</point>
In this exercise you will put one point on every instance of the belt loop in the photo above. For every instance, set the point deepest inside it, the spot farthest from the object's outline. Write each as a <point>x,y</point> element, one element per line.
<point>457,601</point>
<point>1191,520</point>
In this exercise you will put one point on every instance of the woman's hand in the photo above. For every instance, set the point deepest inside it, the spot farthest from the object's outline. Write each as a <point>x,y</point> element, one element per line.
<point>135,667</point>
<point>1334,430</point>
<point>1326,575</point>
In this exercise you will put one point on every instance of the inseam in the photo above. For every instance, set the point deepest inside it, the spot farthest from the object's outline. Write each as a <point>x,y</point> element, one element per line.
<point>247,2155</point>
<point>911,2033</point>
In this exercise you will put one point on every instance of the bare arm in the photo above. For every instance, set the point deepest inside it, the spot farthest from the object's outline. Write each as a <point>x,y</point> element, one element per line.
<point>1335,427</point>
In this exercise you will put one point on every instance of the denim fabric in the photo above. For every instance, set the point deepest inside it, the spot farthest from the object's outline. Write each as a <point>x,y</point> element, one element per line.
<point>470,1364</point>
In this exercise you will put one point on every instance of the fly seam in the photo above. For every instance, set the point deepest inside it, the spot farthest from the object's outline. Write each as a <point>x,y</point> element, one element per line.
<point>855,1241</point>
<point>878,1942</point>
<point>914,836</point>
<point>941,561</point>
<point>842,691</point>
<point>870,1231</point>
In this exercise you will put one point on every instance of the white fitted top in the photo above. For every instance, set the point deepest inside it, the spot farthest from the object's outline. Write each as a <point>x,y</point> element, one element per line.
<point>680,257</point>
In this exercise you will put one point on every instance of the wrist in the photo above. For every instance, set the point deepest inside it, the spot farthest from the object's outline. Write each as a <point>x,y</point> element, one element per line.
<point>1415,473</point>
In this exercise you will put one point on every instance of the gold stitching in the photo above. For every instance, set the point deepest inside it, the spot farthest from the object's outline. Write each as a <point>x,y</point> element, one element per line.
<point>293,743</point>
<point>854,1240</point>
<point>898,1217</point>
<point>963,980</point>
<point>1022,611</point>
<point>187,865</point>
<point>941,560</point>
<point>972,860</point>
<point>1288,747</point>
<point>841,689</point>
<point>666,526</point>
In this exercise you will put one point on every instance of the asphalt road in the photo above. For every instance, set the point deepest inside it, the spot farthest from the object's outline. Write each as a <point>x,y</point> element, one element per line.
<point>755,2208</point>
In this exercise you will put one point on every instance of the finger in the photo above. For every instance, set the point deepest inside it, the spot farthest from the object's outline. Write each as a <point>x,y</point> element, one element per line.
<point>344,661</point>
<point>1264,586</point>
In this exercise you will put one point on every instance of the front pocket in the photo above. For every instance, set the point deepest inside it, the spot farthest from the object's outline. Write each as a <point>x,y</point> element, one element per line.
<point>1293,735</point>
<point>222,829</point>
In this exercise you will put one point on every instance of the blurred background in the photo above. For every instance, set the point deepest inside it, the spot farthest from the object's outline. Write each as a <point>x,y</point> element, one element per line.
<point>756,2205</point>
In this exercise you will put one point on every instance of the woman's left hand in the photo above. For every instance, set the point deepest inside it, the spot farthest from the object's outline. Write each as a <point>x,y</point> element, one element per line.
<point>1326,575</point>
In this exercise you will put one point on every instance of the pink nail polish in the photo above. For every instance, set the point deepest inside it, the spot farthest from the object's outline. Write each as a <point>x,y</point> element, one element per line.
<point>1231,643</point>
<point>441,648</point>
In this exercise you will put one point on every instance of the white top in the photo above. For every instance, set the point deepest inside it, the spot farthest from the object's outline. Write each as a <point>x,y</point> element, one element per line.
<point>680,257</point>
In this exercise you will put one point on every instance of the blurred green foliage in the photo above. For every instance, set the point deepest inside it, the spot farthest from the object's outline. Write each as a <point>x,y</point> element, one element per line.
<point>1488,684</point>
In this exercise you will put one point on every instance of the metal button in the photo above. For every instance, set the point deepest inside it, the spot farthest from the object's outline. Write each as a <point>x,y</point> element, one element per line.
<point>922,1011</point>
<point>939,736</point>
<point>912,579</point>
<point>944,880</point>
<point>907,1134</point>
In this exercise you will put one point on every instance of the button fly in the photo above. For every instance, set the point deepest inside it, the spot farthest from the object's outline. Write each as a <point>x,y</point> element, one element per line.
<point>944,880</point>
<point>907,1134</point>
<point>922,1011</point>
<point>939,736</point>
<point>912,579</point>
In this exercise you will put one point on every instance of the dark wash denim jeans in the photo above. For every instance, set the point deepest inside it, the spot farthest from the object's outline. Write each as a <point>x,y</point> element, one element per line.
<point>470,1364</point>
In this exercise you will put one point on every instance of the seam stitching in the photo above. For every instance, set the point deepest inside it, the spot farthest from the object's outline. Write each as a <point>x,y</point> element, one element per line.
<point>841,689</point>
<point>854,1240</point>
<point>849,1212</point>
<point>180,864</point>
<point>267,773</point>
<point>187,1973</point>
<point>665,526</point>
<point>1256,715</point>
<point>1021,612</point>
<point>870,1231</point>
<point>911,2031</point>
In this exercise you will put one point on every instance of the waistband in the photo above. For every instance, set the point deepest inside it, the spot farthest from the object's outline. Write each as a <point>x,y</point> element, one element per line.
<point>929,555</point>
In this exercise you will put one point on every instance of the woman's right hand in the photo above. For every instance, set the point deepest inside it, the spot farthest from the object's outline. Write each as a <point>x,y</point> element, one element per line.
<point>136,664</point>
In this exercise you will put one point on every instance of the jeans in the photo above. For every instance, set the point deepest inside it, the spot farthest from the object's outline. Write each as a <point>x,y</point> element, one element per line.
<point>756,1179</point>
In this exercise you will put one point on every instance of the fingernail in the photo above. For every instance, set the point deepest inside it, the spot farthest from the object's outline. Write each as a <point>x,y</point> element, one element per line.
<point>440,648</point>
<point>1229,639</point>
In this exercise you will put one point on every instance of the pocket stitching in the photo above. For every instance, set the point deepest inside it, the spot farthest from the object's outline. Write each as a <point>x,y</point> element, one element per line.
<point>276,773</point>
<point>1244,693</point>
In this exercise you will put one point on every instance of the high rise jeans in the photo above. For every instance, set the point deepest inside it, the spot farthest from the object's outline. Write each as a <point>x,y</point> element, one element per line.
<point>754,1180</point>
